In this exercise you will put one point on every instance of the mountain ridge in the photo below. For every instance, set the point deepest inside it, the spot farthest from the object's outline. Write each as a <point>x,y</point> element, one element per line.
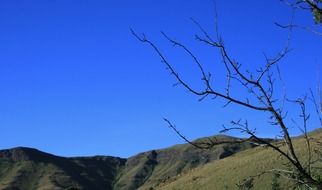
<point>23,168</point>
<point>29,168</point>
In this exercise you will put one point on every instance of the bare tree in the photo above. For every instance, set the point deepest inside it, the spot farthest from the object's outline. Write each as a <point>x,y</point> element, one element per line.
<point>261,97</point>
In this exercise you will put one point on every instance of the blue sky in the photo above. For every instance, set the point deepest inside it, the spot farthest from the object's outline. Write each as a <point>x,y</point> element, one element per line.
<point>74,81</point>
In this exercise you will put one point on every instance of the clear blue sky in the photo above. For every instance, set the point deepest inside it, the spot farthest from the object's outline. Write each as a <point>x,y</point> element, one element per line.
<point>74,81</point>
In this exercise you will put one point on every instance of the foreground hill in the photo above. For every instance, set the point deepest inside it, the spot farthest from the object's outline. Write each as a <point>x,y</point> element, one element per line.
<point>178,167</point>
<point>226,173</point>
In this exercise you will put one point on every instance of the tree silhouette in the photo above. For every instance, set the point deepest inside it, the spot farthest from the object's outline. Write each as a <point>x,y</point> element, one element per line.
<point>261,90</point>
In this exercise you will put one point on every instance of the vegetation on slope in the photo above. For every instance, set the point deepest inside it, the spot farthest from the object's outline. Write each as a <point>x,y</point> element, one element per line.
<point>152,168</point>
<point>226,173</point>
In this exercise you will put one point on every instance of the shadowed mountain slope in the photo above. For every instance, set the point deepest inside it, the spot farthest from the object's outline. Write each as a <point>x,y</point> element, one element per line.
<point>25,168</point>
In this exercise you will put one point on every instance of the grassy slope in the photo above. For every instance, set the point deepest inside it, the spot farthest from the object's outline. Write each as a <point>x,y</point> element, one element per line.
<point>225,173</point>
<point>152,168</point>
<point>30,175</point>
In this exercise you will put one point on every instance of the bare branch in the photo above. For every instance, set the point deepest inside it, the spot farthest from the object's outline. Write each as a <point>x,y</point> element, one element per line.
<point>309,29</point>
<point>318,109</point>
<point>205,145</point>
<point>207,91</point>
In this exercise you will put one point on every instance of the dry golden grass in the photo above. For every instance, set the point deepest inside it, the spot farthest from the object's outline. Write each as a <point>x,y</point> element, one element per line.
<point>225,173</point>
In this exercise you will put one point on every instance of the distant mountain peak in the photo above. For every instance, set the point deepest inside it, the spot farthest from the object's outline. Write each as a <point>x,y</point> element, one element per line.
<point>23,154</point>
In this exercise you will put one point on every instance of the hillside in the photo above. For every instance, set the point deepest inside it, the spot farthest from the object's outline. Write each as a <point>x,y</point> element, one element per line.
<point>226,173</point>
<point>154,167</point>
<point>177,167</point>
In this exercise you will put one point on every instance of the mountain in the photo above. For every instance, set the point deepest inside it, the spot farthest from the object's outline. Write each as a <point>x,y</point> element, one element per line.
<point>177,167</point>
<point>25,168</point>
